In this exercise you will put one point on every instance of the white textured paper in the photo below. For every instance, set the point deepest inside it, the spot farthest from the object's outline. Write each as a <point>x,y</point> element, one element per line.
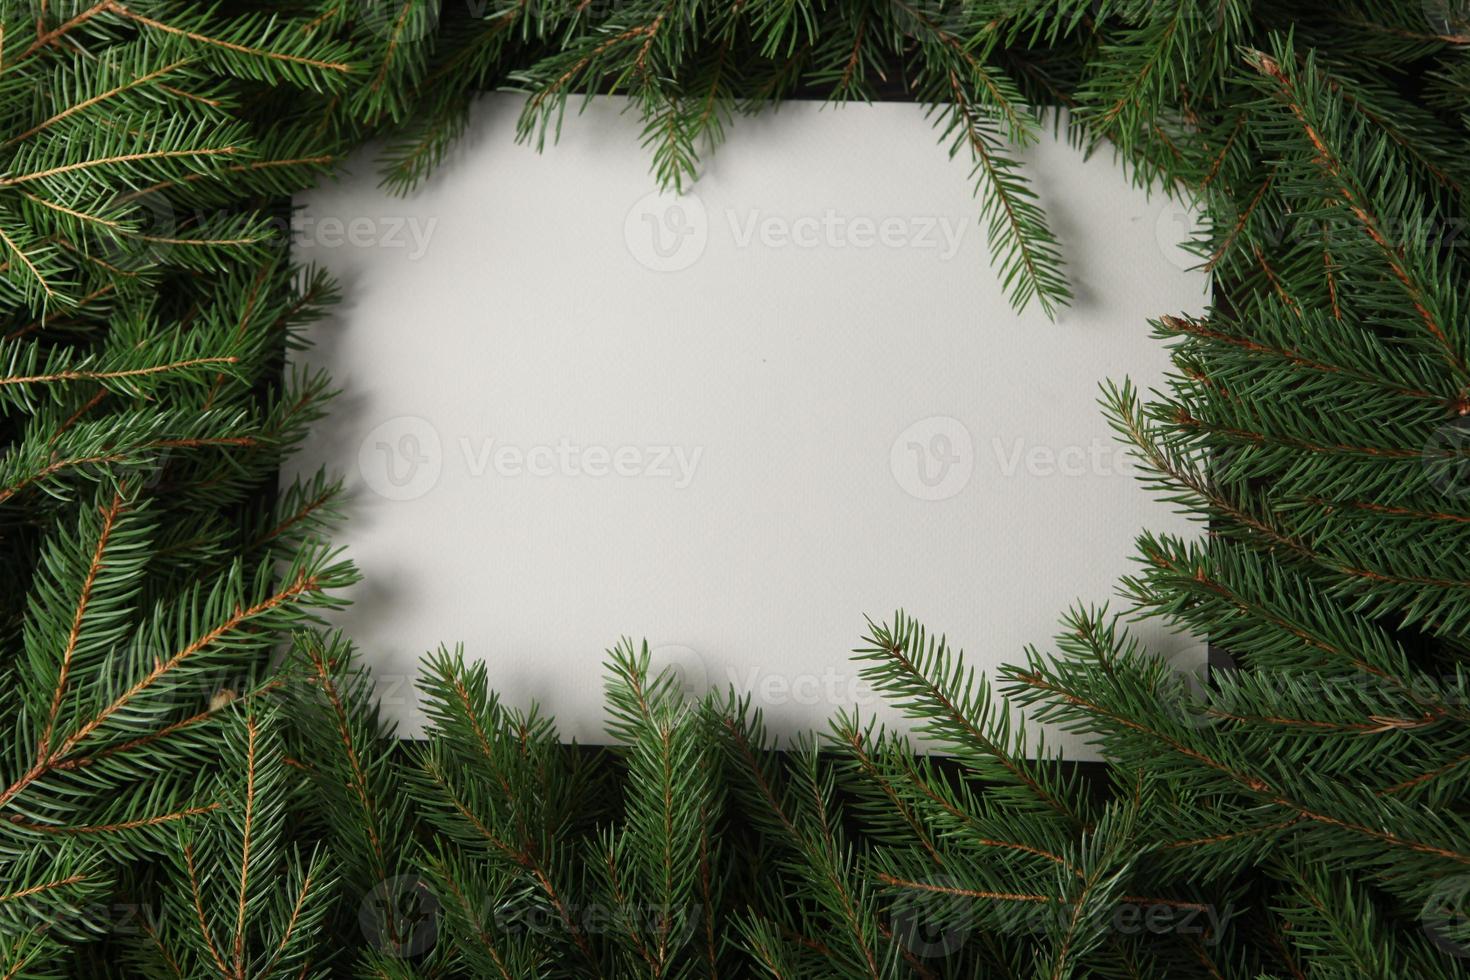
<point>732,423</point>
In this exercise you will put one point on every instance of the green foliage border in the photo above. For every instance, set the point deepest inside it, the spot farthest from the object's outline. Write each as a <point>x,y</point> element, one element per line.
<point>161,755</point>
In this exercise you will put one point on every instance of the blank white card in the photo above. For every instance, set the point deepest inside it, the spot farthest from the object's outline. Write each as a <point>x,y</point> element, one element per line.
<point>732,423</point>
